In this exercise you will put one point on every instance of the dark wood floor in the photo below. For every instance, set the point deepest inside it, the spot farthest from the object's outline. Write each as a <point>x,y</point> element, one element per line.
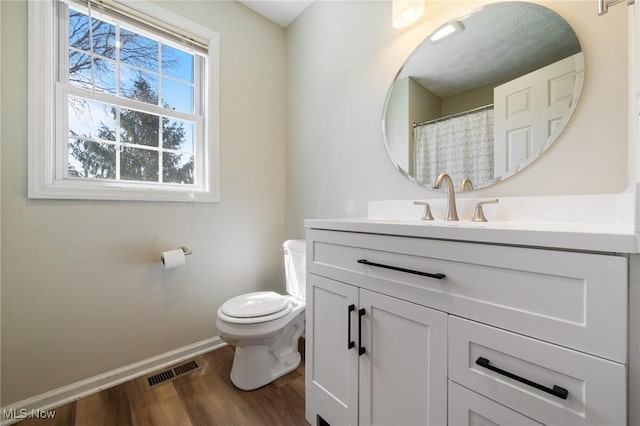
<point>206,397</point>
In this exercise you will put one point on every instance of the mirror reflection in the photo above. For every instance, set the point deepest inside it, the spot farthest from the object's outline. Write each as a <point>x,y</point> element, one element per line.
<point>484,95</point>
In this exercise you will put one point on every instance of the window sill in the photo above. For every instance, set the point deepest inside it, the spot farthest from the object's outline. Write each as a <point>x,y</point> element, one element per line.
<point>82,190</point>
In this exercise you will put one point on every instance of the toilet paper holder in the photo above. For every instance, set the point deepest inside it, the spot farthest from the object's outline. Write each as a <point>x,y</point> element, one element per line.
<point>175,261</point>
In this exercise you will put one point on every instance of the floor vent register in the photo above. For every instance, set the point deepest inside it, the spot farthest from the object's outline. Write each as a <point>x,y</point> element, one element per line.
<point>170,374</point>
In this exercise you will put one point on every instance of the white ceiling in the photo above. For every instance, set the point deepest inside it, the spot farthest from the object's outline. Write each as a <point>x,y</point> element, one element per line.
<point>282,12</point>
<point>516,38</point>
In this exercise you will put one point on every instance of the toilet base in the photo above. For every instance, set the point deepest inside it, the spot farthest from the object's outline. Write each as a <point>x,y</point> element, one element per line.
<point>256,365</point>
<point>249,371</point>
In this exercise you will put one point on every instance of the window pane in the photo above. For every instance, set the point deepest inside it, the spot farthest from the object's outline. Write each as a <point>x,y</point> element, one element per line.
<point>79,30</point>
<point>177,134</point>
<point>80,69</point>
<point>138,50</point>
<point>138,127</point>
<point>177,168</point>
<point>91,119</point>
<point>105,75</point>
<point>177,96</point>
<point>138,85</point>
<point>177,63</point>
<point>104,38</point>
<point>91,159</point>
<point>139,164</point>
<point>107,140</point>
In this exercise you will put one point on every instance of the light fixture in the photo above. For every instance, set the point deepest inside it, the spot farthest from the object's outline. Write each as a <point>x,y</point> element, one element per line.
<point>446,30</point>
<point>406,12</point>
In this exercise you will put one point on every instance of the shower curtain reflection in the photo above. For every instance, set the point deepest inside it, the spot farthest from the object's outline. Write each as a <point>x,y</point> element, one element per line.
<point>461,146</point>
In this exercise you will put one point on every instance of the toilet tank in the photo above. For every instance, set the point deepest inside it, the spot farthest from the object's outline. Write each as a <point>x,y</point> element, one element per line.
<point>295,268</point>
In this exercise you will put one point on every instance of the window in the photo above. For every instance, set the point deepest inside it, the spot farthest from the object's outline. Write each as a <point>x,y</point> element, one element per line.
<point>126,107</point>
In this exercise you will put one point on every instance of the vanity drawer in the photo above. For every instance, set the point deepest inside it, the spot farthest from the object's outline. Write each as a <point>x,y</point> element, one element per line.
<point>578,300</point>
<point>595,388</point>
<point>468,408</point>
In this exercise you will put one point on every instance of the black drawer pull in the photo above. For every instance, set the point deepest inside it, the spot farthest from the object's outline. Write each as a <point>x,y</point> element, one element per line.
<point>395,268</point>
<point>361,349</point>
<point>350,343</point>
<point>557,391</point>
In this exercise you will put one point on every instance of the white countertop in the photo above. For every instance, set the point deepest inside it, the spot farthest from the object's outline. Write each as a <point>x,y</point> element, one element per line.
<point>571,236</point>
<point>598,223</point>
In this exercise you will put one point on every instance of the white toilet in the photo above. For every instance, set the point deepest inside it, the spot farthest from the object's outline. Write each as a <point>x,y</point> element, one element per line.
<point>265,326</point>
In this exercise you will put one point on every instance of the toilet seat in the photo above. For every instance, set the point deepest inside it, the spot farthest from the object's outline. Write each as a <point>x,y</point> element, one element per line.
<point>256,307</point>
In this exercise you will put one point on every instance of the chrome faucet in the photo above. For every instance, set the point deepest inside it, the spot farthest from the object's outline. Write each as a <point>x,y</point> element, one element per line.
<point>452,214</point>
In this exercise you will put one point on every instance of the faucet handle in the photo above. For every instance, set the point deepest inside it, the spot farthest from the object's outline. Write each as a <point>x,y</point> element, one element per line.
<point>466,185</point>
<point>479,216</point>
<point>427,210</point>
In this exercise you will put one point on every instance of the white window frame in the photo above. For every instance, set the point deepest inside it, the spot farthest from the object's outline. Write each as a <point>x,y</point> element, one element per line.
<point>45,122</point>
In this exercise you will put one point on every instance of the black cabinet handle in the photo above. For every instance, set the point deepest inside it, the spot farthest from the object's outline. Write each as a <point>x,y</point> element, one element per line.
<point>350,343</point>
<point>556,391</point>
<point>437,276</point>
<point>361,349</point>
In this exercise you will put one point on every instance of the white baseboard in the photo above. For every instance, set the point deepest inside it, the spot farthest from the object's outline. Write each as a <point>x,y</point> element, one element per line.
<point>44,402</point>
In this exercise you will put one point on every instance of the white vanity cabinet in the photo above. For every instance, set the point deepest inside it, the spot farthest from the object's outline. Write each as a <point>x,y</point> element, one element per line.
<point>374,359</point>
<point>462,333</point>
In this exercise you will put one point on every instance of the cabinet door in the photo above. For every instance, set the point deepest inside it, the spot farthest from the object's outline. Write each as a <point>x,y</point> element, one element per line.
<point>403,371</point>
<point>331,365</point>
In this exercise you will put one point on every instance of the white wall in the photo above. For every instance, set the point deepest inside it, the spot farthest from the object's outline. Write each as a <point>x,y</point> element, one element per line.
<point>423,104</point>
<point>341,59</point>
<point>0,208</point>
<point>468,100</point>
<point>634,102</point>
<point>83,291</point>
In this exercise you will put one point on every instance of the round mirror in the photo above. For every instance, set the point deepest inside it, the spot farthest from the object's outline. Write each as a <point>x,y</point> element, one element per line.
<point>484,95</point>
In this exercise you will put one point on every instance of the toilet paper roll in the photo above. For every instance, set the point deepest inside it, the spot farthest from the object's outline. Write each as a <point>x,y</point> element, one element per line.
<point>172,258</point>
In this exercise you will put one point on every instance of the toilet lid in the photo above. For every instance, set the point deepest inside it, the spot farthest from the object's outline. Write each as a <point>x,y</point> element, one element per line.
<point>256,304</point>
